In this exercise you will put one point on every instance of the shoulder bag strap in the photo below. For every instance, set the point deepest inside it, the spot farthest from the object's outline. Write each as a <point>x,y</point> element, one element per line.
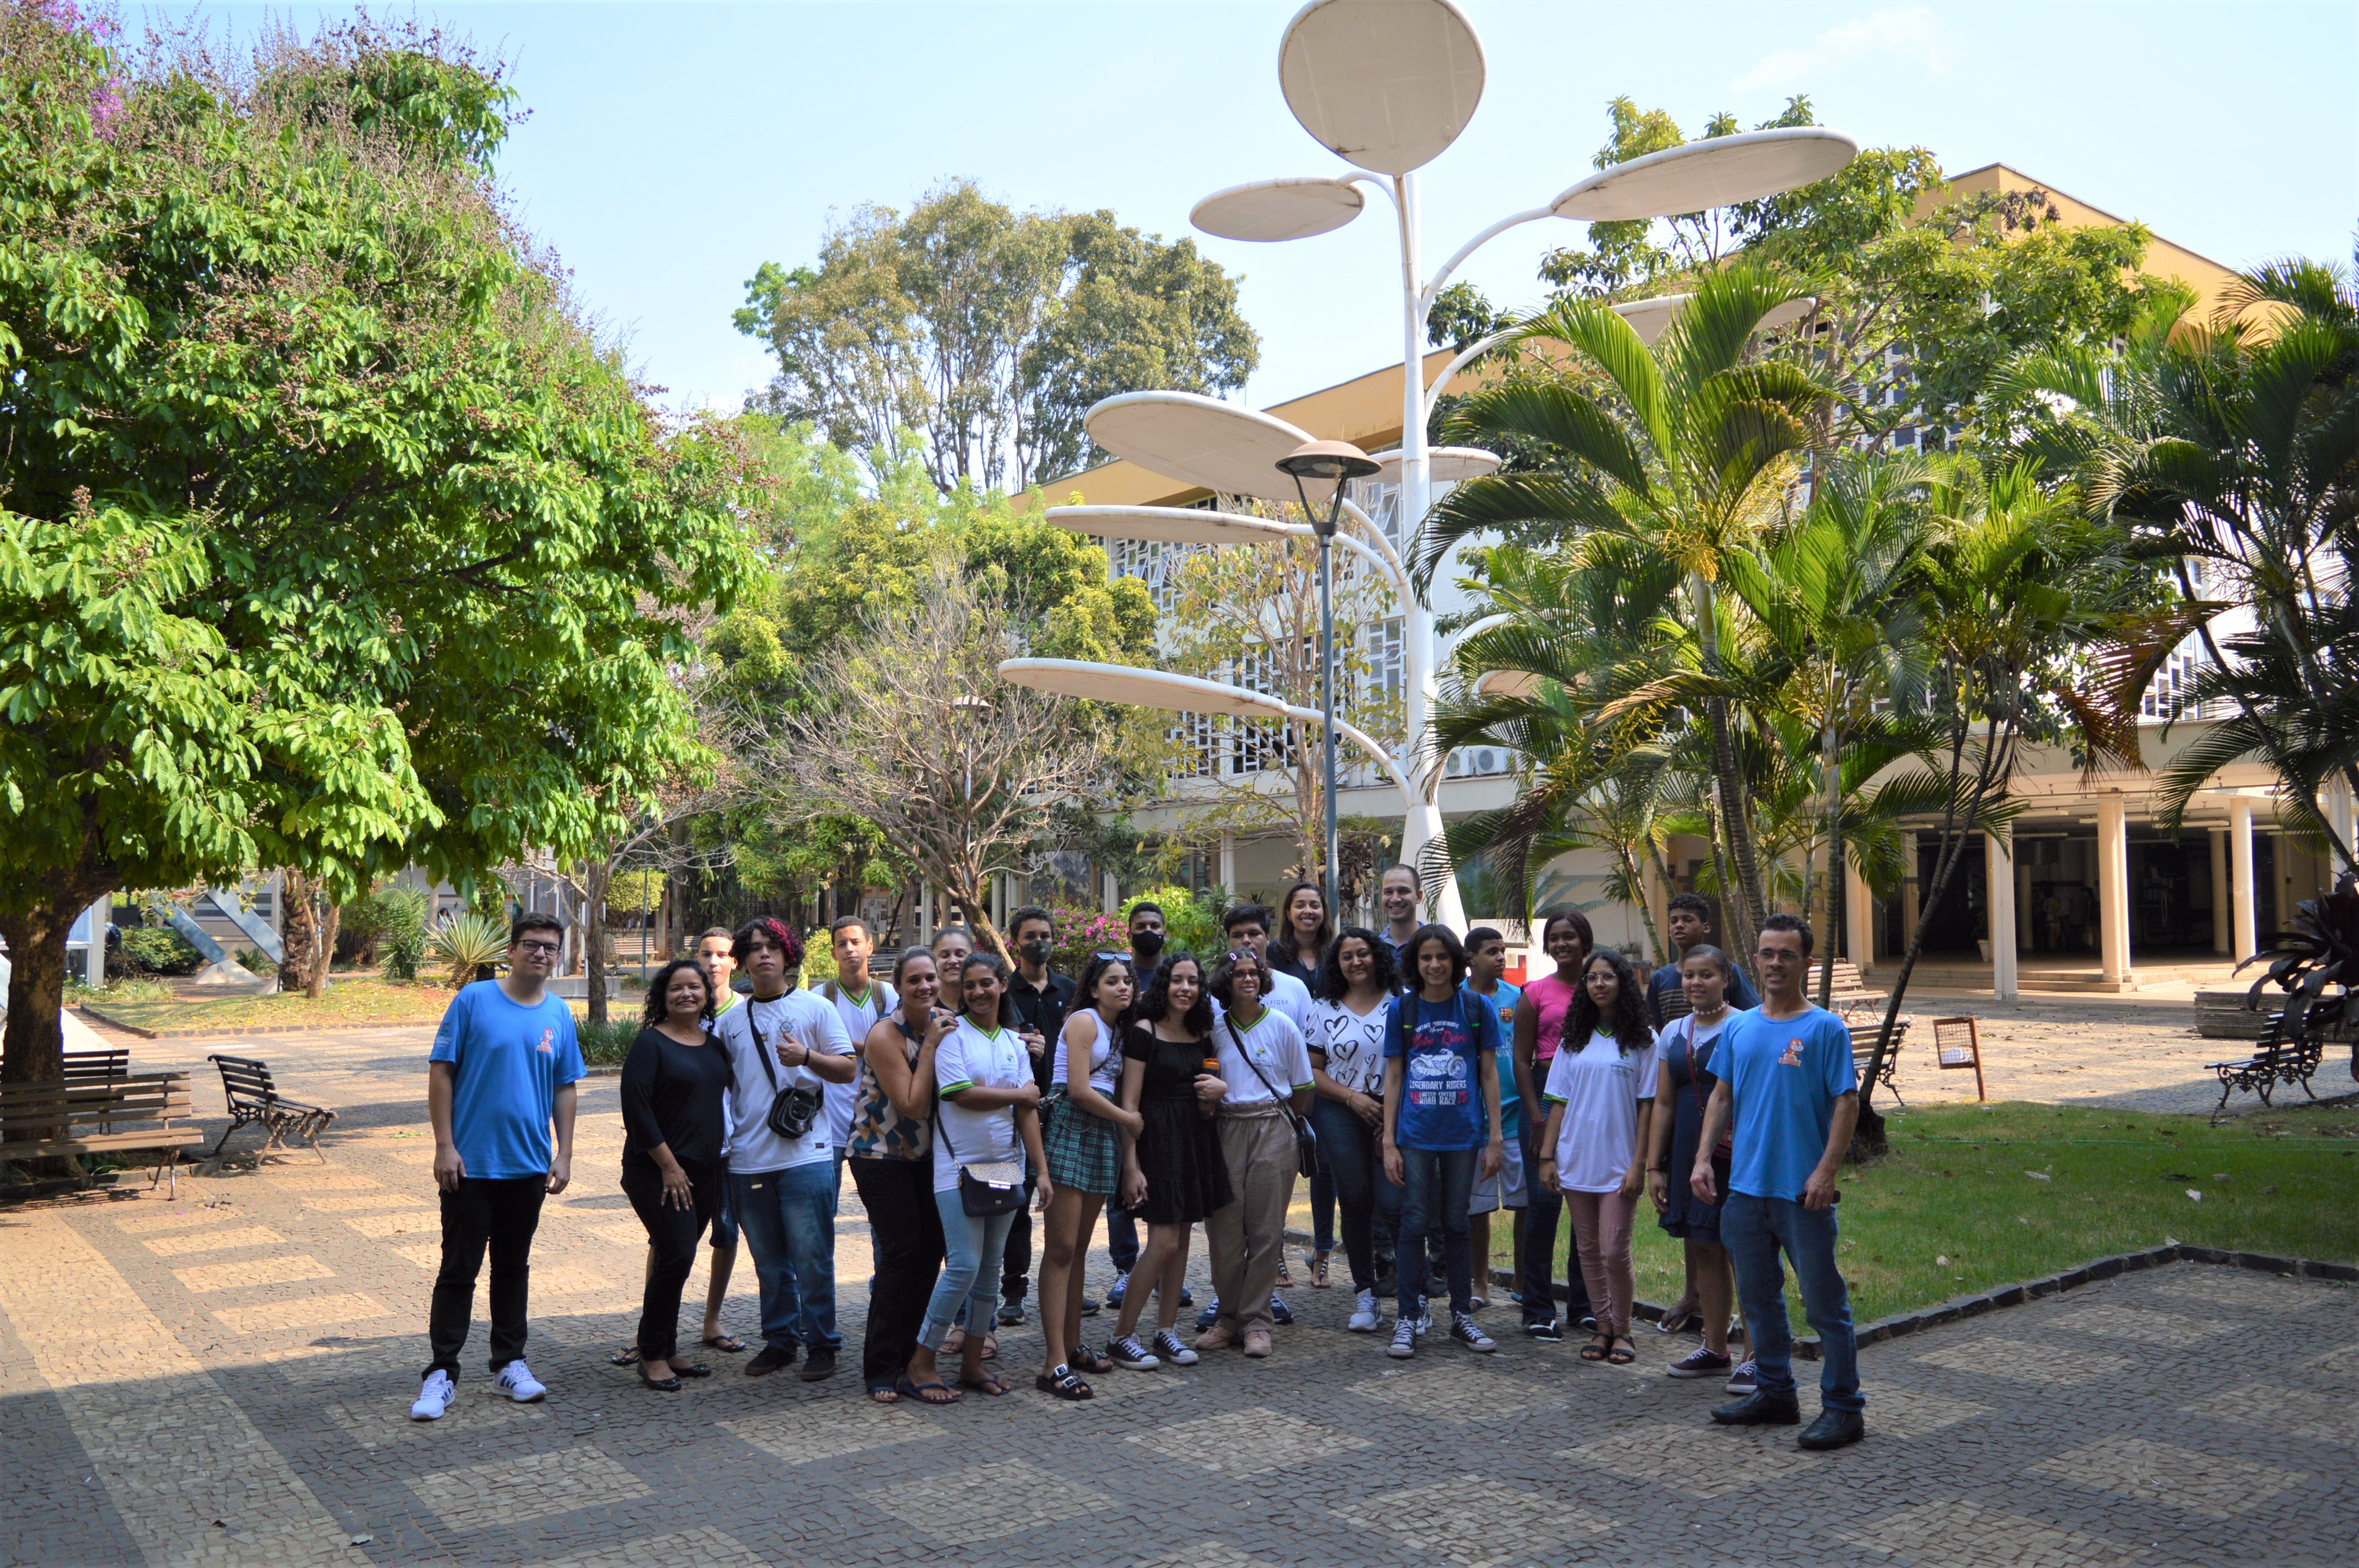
<point>761,1048</point>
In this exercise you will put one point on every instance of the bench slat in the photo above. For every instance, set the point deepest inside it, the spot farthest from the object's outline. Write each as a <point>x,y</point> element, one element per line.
<point>169,1138</point>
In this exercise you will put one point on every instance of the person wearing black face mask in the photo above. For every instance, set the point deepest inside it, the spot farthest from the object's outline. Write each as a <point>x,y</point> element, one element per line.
<point>1041,998</point>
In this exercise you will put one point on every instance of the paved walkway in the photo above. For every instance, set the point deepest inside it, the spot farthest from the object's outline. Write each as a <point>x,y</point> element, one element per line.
<point>223,1378</point>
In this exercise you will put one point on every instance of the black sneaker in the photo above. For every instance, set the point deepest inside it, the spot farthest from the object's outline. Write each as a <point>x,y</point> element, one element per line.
<point>1209,1316</point>
<point>770,1358</point>
<point>1130,1354</point>
<point>1011,1312</point>
<point>1759,1407</point>
<point>1188,1297</point>
<point>1546,1328</point>
<point>1832,1429</point>
<point>1114,1295</point>
<point>819,1364</point>
<point>1278,1311</point>
<point>1089,1308</point>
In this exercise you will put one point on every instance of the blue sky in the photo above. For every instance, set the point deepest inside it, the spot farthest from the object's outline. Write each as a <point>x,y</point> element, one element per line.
<point>671,148</point>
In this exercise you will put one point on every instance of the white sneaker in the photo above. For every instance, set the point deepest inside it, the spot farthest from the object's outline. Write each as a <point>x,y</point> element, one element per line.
<point>433,1396</point>
<point>1424,1320</point>
<point>1403,1344</point>
<point>1364,1314</point>
<point>522,1386</point>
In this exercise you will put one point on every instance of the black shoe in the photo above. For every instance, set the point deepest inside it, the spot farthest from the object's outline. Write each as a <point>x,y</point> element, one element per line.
<point>1187,1297</point>
<point>821,1366</point>
<point>1834,1429</point>
<point>1278,1311</point>
<point>770,1359</point>
<point>1089,1308</point>
<point>1760,1408</point>
<point>1011,1312</point>
<point>1546,1328</point>
<point>1205,1319</point>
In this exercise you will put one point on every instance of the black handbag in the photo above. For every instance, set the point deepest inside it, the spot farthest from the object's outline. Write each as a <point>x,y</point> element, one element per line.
<point>983,1198</point>
<point>794,1111</point>
<point>1306,1142</point>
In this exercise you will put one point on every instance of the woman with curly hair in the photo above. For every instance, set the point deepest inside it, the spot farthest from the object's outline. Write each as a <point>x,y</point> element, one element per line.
<point>1355,990</point>
<point>1601,1097</point>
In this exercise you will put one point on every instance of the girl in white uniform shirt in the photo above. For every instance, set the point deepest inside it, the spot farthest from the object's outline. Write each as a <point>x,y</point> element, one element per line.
<point>1084,1140</point>
<point>1347,1068</point>
<point>1600,1094</point>
<point>988,1115</point>
<point>1268,1074</point>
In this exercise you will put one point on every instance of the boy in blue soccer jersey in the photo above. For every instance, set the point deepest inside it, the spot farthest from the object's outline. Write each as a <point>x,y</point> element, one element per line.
<point>503,1070</point>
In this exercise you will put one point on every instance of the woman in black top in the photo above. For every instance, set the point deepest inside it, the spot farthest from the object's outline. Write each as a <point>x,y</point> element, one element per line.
<point>672,1170</point>
<point>1303,932</point>
<point>1173,1174</point>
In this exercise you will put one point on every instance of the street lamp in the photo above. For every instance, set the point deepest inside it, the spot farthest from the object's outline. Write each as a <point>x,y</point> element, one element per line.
<point>1335,463</point>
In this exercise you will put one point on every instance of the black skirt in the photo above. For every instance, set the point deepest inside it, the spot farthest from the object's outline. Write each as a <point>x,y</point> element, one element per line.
<point>1180,1154</point>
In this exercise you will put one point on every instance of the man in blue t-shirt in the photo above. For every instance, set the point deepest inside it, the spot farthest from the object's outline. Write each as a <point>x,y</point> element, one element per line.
<point>1688,919</point>
<point>1786,1077</point>
<point>503,1068</point>
<point>1486,969</point>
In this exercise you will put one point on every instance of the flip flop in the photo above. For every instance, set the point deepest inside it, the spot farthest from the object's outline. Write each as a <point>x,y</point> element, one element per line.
<point>693,1370</point>
<point>989,1383</point>
<point>628,1356</point>
<point>728,1343</point>
<point>991,1347</point>
<point>1678,1322</point>
<point>921,1392</point>
<point>885,1396</point>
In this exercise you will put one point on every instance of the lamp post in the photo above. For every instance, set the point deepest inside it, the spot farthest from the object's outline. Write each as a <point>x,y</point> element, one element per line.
<point>1336,463</point>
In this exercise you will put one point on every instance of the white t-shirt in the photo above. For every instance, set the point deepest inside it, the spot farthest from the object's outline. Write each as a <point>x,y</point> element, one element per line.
<point>1105,1054</point>
<point>1599,1089</point>
<point>967,1057</point>
<point>1292,998</point>
<point>1276,1047</point>
<point>859,1018</point>
<point>808,1021</point>
<point>1354,1045</point>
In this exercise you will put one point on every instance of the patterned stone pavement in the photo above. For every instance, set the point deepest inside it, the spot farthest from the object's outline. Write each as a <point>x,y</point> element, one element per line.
<point>224,1379</point>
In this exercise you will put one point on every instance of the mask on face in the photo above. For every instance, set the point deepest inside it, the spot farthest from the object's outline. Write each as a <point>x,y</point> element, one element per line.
<point>1148,945</point>
<point>1036,950</point>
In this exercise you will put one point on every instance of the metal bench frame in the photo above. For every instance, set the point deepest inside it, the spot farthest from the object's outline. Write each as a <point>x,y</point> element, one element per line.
<point>2276,1059</point>
<point>1863,1046</point>
<point>252,1097</point>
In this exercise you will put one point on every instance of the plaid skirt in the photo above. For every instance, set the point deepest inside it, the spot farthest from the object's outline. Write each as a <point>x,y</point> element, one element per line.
<point>1084,1152</point>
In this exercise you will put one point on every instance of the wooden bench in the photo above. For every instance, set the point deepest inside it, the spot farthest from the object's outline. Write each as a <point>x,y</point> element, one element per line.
<point>115,1116</point>
<point>246,1083</point>
<point>1863,1047</point>
<point>2277,1058</point>
<point>98,1066</point>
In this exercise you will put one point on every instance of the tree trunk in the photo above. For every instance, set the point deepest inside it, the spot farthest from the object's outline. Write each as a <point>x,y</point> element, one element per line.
<point>324,958</point>
<point>594,939</point>
<point>1870,1131</point>
<point>33,1052</point>
<point>1831,760</point>
<point>1752,903</point>
<point>299,932</point>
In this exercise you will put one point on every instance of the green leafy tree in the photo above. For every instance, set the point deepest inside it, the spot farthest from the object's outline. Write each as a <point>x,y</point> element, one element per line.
<point>330,539</point>
<point>973,338</point>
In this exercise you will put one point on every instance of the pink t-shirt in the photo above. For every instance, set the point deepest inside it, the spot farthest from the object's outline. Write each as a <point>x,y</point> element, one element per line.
<point>1551,998</point>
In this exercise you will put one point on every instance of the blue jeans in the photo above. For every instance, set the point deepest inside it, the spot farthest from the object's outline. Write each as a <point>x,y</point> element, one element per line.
<point>1437,1186</point>
<point>1122,1238</point>
<point>1755,1230</point>
<point>1347,1151</point>
<point>789,1220</point>
<point>969,1276</point>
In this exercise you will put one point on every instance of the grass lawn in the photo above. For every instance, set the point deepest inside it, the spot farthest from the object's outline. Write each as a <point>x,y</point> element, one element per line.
<point>353,1001</point>
<point>1954,1207</point>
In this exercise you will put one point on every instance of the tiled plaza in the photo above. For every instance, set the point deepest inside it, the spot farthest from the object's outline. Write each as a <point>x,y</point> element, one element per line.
<point>224,1379</point>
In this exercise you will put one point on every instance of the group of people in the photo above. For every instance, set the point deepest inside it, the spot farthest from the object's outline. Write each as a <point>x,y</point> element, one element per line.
<point>1422,1091</point>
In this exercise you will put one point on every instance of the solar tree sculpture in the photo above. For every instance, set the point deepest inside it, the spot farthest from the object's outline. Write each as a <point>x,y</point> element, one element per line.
<point>1386,86</point>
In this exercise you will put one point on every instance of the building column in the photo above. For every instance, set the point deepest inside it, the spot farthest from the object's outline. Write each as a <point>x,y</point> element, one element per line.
<point>2244,936</point>
<point>925,912</point>
<point>94,958</point>
<point>2343,815</point>
<point>2222,933</point>
<point>1229,864</point>
<point>1998,882</point>
<point>1859,916</point>
<point>1112,898</point>
<point>2113,887</point>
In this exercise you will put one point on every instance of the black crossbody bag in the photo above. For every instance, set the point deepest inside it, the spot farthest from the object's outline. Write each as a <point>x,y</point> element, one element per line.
<point>792,1111</point>
<point>1306,1142</point>
<point>983,1198</point>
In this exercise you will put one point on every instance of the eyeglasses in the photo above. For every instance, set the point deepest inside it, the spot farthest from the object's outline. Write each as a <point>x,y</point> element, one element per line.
<point>543,948</point>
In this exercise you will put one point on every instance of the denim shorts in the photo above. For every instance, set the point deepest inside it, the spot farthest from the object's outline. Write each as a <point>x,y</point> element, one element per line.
<point>1505,1190</point>
<point>725,1222</point>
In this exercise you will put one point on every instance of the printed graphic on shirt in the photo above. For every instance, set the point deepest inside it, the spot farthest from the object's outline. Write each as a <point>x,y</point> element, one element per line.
<point>1441,1068</point>
<point>548,1046</point>
<point>1792,1056</point>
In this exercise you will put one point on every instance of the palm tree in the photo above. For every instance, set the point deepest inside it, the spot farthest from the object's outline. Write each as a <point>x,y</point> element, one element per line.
<point>1676,460</point>
<point>2231,449</point>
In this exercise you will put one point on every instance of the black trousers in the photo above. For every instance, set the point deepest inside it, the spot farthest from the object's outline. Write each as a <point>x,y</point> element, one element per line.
<point>899,1197</point>
<point>1536,1254</point>
<point>1016,1263</point>
<point>500,1214</point>
<point>672,1232</point>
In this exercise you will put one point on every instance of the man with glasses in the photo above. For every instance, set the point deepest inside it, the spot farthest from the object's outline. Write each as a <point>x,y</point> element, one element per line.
<point>1786,1077</point>
<point>503,1067</point>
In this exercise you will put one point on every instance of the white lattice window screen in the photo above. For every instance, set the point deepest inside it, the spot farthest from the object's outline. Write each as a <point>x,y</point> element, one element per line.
<point>2170,695</point>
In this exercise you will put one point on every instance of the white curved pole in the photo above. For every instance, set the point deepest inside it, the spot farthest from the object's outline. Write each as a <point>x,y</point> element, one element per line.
<point>1440,278</point>
<point>1473,352</point>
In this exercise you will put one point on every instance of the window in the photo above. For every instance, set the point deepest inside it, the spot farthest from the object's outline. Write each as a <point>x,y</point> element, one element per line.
<point>2171,694</point>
